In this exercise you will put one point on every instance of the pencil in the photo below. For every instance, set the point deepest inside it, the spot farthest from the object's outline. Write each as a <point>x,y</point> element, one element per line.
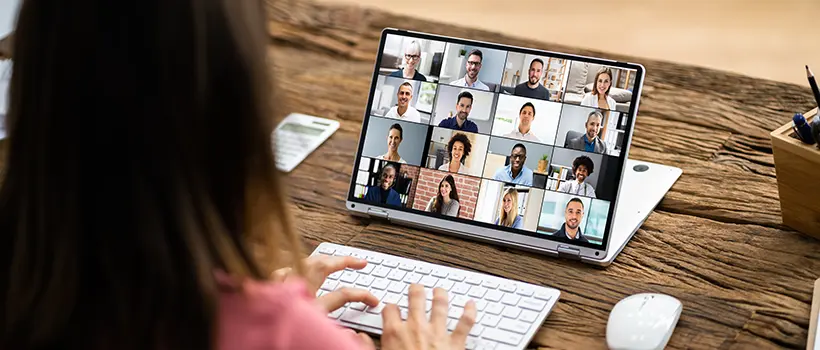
<point>813,85</point>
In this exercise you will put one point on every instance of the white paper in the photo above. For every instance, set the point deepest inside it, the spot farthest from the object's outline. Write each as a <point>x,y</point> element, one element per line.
<point>817,333</point>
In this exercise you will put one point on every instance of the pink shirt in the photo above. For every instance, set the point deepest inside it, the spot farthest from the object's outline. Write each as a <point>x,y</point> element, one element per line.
<point>260,315</point>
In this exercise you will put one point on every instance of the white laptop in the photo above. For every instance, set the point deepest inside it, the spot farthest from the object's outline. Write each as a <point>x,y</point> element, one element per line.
<point>515,146</point>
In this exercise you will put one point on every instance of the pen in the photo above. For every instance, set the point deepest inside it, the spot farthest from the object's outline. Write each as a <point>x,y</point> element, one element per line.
<point>813,85</point>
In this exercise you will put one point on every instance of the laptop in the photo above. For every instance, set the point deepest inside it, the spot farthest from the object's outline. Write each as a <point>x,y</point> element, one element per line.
<point>515,146</point>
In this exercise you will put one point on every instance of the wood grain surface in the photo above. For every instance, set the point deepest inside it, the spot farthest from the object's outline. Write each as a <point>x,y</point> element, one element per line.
<point>716,241</point>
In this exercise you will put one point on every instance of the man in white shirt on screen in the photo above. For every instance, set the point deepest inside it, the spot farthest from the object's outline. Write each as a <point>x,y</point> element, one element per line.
<point>470,80</point>
<point>525,117</point>
<point>403,110</point>
<point>582,167</point>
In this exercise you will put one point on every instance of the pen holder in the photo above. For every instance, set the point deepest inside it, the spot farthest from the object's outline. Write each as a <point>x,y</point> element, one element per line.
<point>798,179</point>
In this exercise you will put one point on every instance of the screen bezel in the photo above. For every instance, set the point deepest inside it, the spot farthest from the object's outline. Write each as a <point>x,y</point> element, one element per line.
<point>589,250</point>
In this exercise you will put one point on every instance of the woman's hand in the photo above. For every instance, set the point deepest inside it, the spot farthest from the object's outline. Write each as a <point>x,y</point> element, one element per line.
<point>317,268</point>
<point>419,334</point>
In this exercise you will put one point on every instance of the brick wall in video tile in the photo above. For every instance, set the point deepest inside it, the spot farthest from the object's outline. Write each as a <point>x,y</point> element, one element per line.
<point>413,173</point>
<point>466,186</point>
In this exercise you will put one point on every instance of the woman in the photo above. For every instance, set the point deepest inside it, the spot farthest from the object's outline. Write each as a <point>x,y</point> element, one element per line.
<point>508,213</point>
<point>599,96</point>
<point>394,137</point>
<point>167,241</point>
<point>412,57</point>
<point>446,201</point>
<point>459,147</point>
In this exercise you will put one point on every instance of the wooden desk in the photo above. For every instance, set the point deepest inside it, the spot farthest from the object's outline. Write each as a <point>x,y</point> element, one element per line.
<point>716,242</point>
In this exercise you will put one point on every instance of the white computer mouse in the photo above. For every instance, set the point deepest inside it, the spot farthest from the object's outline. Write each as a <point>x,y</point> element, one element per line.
<point>642,322</point>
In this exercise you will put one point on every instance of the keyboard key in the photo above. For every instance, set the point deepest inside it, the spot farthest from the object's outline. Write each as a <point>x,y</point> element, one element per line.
<point>528,316</point>
<point>489,284</point>
<point>404,302</point>
<point>380,283</point>
<point>428,293</point>
<point>367,269</point>
<point>494,308</point>
<point>335,275</point>
<point>477,329</point>
<point>338,312</point>
<point>362,318</point>
<point>511,312</point>
<point>533,304</point>
<point>440,273</point>
<point>341,253</point>
<point>543,294</point>
<point>423,270</point>
<point>477,292</point>
<point>391,298</point>
<point>508,287</point>
<point>396,275</point>
<point>480,305</point>
<point>349,277</point>
<point>358,256</point>
<point>445,284</point>
<point>412,278</point>
<point>364,281</point>
<point>358,306</point>
<point>460,301</point>
<point>379,294</point>
<point>490,320</point>
<point>502,336</point>
<point>396,287</point>
<point>406,290</point>
<point>330,285</point>
<point>374,260</point>
<point>494,295</point>
<point>391,264</point>
<point>320,293</point>
<point>407,266</point>
<point>455,312</point>
<point>460,288</point>
<point>451,324</point>
<point>380,272</point>
<point>456,277</point>
<point>471,343</point>
<point>486,345</point>
<point>375,310</point>
<point>514,326</point>
<point>345,285</point>
<point>326,250</point>
<point>429,281</point>
<point>525,291</point>
<point>510,299</point>
<point>472,279</point>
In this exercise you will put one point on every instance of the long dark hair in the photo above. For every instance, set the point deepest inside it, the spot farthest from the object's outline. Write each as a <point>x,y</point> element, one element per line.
<point>138,163</point>
<point>437,205</point>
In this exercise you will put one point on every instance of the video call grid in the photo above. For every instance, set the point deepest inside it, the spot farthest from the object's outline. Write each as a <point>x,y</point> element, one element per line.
<point>496,95</point>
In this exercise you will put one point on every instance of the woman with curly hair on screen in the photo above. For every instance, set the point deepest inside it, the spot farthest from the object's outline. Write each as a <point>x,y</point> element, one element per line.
<point>459,148</point>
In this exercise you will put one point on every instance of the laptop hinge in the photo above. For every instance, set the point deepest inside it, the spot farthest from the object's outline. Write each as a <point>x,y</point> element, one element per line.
<point>567,252</point>
<point>377,213</point>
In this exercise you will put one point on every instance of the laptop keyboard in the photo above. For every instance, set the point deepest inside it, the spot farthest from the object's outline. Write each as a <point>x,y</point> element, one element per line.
<point>509,312</point>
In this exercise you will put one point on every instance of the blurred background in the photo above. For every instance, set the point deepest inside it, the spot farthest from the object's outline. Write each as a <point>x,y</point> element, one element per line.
<point>770,39</point>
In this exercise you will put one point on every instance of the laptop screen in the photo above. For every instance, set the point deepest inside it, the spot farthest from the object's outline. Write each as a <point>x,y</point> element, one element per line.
<point>507,138</point>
